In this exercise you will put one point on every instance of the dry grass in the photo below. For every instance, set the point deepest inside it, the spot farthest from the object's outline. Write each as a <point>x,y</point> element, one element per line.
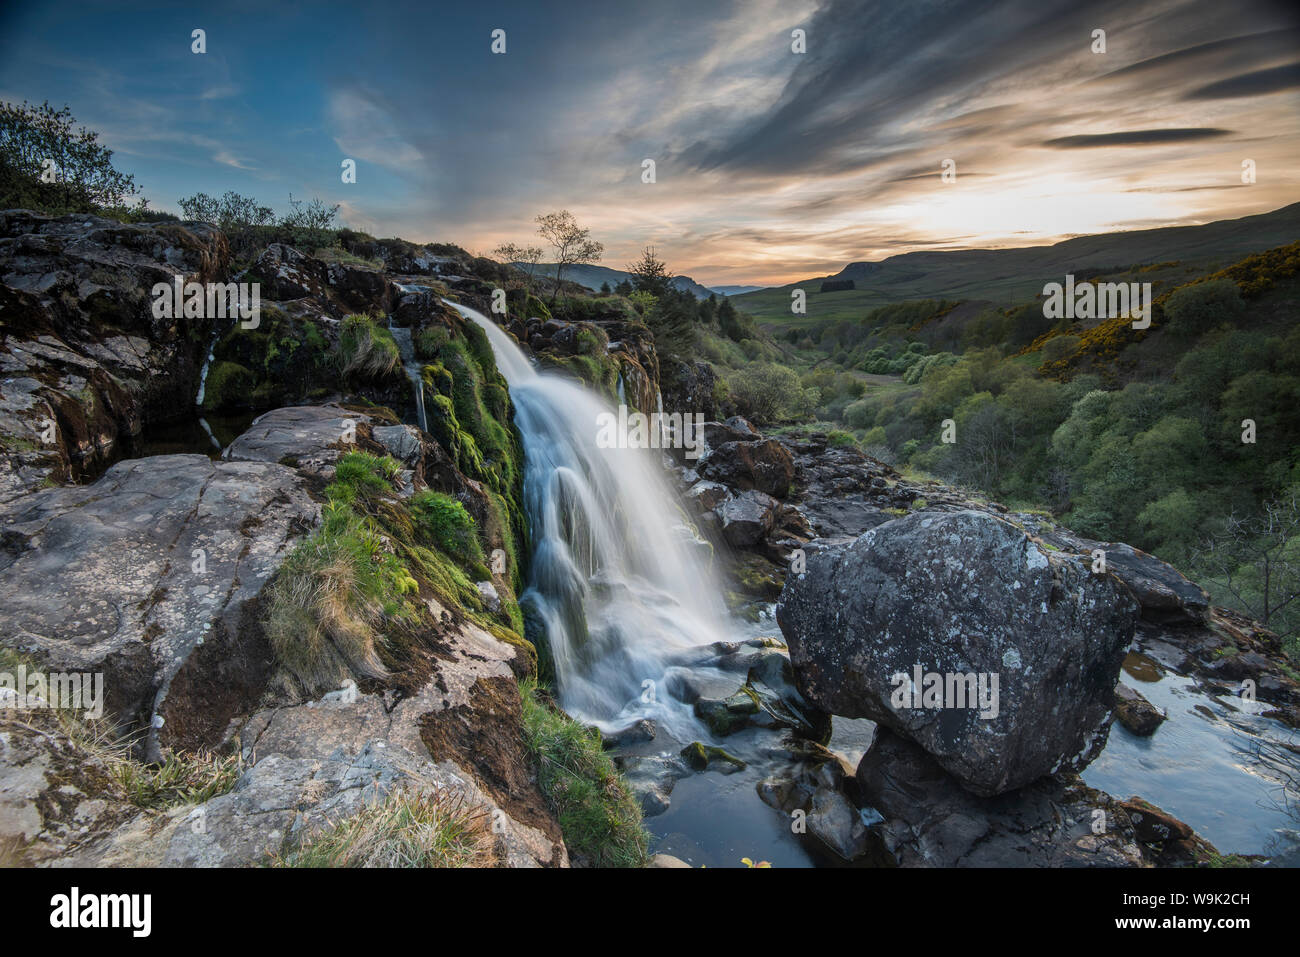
<point>321,618</point>
<point>369,352</point>
<point>437,829</point>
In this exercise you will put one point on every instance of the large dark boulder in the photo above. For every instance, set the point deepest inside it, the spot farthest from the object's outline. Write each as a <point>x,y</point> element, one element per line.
<point>688,387</point>
<point>762,464</point>
<point>957,594</point>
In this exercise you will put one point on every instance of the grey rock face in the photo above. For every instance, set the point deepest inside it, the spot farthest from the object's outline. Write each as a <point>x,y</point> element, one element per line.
<point>963,593</point>
<point>84,362</point>
<point>746,518</point>
<point>309,437</point>
<point>145,575</point>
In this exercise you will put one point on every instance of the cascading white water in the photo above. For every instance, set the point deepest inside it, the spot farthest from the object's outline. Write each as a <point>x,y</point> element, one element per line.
<point>207,364</point>
<point>414,370</point>
<point>617,575</point>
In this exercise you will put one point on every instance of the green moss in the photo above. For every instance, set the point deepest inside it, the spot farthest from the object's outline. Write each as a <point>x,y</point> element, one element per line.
<point>362,475</point>
<point>287,359</point>
<point>228,386</point>
<point>699,756</point>
<point>599,373</point>
<point>442,521</point>
<point>598,814</point>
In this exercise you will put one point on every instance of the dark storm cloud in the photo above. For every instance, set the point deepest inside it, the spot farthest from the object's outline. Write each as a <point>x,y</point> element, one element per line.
<point>1230,53</point>
<point>1250,84</point>
<point>873,64</point>
<point>1135,138</point>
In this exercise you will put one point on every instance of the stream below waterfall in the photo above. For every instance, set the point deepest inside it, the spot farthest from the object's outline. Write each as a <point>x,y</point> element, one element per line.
<point>631,605</point>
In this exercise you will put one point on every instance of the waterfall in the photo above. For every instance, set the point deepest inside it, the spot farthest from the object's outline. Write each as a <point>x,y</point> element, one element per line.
<point>207,364</point>
<point>414,370</point>
<point>617,574</point>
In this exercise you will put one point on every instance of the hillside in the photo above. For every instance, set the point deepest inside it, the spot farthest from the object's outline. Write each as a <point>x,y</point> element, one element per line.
<point>593,277</point>
<point>1004,276</point>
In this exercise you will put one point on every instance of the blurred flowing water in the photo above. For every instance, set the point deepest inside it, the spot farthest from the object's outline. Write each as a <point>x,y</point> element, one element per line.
<point>619,578</point>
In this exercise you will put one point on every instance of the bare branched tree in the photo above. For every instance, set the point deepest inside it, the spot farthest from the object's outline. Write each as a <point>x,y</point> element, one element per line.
<point>572,243</point>
<point>520,257</point>
<point>1256,559</point>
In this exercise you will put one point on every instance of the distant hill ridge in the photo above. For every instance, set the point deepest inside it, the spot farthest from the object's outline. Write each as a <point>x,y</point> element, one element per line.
<point>998,274</point>
<point>594,276</point>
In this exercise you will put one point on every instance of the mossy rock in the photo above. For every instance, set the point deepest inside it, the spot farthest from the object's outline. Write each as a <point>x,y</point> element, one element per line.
<point>700,756</point>
<point>228,386</point>
<point>726,716</point>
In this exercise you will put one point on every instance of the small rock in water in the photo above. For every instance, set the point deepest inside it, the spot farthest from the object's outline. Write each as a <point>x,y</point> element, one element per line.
<point>701,756</point>
<point>635,733</point>
<point>1135,712</point>
<point>667,860</point>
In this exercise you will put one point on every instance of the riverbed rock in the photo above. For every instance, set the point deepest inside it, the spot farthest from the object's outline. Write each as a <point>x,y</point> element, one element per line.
<point>963,593</point>
<point>762,464</point>
<point>930,820</point>
<point>1135,712</point>
<point>813,782</point>
<point>746,518</point>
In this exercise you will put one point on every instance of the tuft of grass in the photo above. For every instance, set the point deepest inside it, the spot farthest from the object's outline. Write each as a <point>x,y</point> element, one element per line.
<point>404,830</point>
<point>369,352</point>
<point>362,475</point>
<point>598,814</point>
<point>181,778</point>
<point>443,521</point>
<point>332,593</point>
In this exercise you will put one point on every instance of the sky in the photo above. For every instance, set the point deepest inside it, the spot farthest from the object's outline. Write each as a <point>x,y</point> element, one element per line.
<point>770,165</point>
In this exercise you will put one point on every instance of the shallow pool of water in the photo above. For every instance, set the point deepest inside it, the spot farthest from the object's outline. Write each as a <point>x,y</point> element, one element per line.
<point>1216,764</point>
<point>207,435</point>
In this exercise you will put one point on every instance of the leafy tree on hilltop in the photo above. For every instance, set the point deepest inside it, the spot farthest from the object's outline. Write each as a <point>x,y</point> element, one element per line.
<point>49,165</point>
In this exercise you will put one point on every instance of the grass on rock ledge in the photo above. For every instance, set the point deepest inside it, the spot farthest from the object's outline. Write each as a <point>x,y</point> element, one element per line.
<point>403,830</point>
<point>599,815</point>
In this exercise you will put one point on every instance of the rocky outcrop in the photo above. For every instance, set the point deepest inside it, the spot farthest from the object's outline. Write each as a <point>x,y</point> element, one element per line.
<point>931,821</point>
<point>612,354</point>
<point>154,577</point>
<point>84,363</point>
<point>149,577</point>
<point>1017,647</point>
<point>305,767</point>
<point>286,274</point>
<point>689,388</point>
<point>762,464</point>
